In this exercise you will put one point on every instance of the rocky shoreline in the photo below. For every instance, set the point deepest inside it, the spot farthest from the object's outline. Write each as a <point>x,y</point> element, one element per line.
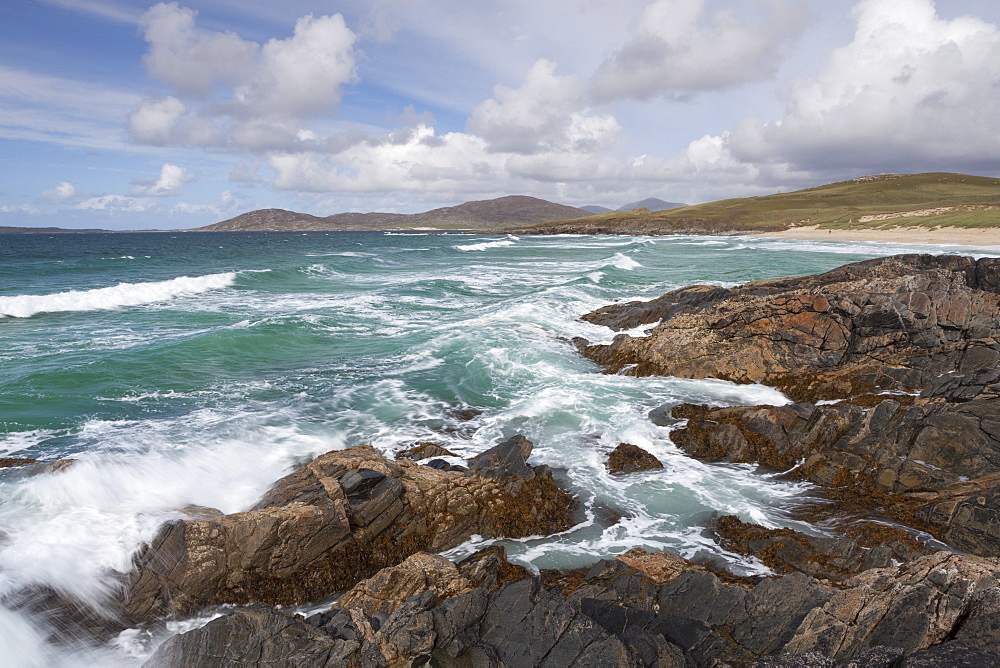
<point>892,365</point>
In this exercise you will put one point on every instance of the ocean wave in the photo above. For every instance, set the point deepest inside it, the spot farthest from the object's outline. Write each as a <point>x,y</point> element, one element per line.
<point>622,261</point>
<point>116,296</point>
<point>486,245</point>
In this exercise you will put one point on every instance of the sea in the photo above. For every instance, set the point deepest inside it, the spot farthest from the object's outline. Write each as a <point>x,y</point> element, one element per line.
<point>198,368</point>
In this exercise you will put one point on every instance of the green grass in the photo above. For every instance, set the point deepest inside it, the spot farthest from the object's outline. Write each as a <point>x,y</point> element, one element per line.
<point>975,202</point>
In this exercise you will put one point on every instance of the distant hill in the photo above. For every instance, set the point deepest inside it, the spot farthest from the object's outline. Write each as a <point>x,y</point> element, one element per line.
<point>479,215</point>
<point>651,203</point>
<point>593,208</point>
<point>883,200</point>
<point>44,230</point>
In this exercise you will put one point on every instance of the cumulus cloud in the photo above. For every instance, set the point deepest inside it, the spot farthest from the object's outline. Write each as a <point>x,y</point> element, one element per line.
<point>237,92</point>
<point>172,178</point>
<point>193,61</point>
<point>62,192</point>
<point>547,113</point>
<point>113,203</point>
<point>679,47</point>
<point>911,91</point>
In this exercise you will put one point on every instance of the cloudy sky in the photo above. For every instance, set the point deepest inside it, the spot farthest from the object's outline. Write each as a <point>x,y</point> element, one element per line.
<point>132,115</point>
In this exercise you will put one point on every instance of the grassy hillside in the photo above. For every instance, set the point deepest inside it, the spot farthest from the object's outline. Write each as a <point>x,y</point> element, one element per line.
<point>867,202</point>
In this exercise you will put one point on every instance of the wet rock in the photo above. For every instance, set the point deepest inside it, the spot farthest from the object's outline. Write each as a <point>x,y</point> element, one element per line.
<point>788,551</point>
<point>934,464</point>
<point>628,458</point>
<point>673,613</point>
<point>424,450</point>
<point>913,607</point>
<point>504,460</point>
<point>334,521</point>
<point>884,324</point>
<point>954,655</point>
<point>661,416</point>
<point>252,637</point>
<point>390,587</point>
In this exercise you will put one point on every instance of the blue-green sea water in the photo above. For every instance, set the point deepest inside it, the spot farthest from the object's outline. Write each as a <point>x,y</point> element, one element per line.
<point>180,369</point>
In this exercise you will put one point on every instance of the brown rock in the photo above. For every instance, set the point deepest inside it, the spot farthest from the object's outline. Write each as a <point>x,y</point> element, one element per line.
<point>332,522</point>
<point>823,557</point>
<point>386,590</point>
<point>660,567</point>
<point>888,323</point>
<point>934,465</point>
<point>424,450</point>
<point>628,458</point>
<point>912,607</point>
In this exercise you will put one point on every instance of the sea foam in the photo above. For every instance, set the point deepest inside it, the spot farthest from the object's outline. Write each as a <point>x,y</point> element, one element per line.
<point>486,245</point>
<point>116,296</point>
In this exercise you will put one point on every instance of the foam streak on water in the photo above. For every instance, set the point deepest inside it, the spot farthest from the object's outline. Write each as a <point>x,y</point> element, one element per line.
<point>237,375</point>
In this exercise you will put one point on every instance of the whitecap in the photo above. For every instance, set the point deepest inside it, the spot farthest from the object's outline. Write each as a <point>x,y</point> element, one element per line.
<point>486,245</point>
<point>116,296</point>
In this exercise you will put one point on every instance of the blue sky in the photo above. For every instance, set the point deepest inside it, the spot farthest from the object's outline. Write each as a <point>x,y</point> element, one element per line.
<point>137,115</point>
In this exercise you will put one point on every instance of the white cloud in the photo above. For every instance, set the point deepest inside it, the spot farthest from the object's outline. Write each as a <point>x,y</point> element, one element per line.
<point>114,203</point>
<point>186,208</point>
<point>912,91</point>
<point>678,48</point>
<point>19,208</point>
<point>547,113</point>
<point>172,178</point>
<point>237,92</point>
<point>302,75</point>
<point>193,61</point>
<point>62,192</point>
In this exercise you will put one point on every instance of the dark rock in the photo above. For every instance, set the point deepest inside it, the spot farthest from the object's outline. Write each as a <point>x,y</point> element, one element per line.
<point>506,459</point>
<point>952,655</point>
<point>932,465</point>
<point>335,521</point>
<point>637,618</point>
<point>911,607</point>
<point>877,657</point>
<point>661,416</point>
<point>252,637</point>
<point>424,451</point>
<point>628,458</point>
<point>788,551</point>
<point>887,323</point>
<point>360,482</point>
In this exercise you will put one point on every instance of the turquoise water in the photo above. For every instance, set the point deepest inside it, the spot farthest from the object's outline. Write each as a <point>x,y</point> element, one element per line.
<point>185,369</point>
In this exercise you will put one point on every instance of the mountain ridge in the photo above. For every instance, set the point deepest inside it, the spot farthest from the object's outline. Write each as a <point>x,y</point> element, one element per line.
<point>477,214</point>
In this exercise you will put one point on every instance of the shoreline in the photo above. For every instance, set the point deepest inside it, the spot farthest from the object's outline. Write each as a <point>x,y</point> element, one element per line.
<point>918,234</point>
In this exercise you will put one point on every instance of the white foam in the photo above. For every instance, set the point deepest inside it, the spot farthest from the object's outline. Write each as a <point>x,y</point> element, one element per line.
<point>116,296</point>
<point>623,261</point>
<point>486,245</point>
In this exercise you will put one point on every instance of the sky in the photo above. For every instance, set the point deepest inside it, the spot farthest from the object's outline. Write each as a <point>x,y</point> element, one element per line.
<point>135,115</point>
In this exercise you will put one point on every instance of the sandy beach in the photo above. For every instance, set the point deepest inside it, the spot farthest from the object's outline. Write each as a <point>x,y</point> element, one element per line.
<point>910,234</point>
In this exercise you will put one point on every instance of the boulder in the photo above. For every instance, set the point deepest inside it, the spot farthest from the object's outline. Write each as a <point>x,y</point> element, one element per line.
<point>334,521</point>
<point>628,458</point>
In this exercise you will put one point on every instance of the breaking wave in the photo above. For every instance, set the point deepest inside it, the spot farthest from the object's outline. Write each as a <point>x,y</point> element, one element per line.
<point>116,296</point>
